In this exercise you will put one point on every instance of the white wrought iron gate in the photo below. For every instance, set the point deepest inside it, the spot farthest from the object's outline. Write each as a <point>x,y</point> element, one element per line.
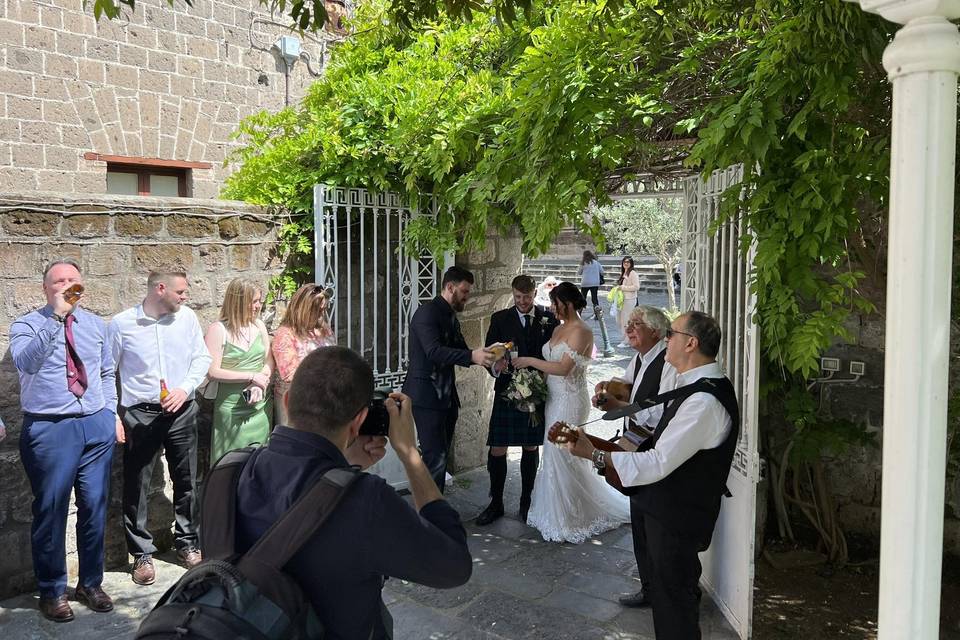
<point>716,281</point>
<point>358,245</point>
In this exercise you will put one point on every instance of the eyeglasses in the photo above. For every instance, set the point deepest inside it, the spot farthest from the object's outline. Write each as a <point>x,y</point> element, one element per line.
<point>637,325</point>
<point>669,334</point>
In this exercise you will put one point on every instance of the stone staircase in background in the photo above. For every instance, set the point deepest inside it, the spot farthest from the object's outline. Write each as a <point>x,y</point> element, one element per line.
<point>652,277</point>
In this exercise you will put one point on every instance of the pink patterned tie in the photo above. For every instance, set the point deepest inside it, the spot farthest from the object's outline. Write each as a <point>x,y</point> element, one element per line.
<point>76,372</point>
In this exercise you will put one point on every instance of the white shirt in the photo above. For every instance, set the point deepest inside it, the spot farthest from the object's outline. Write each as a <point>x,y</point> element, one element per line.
<point>529,316</point>
<point>668,382</point>
<point>700,423</point>
<point>147,349</point>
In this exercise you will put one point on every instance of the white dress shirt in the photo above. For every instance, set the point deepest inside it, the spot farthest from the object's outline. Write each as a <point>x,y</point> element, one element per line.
<point>147,349</point>
<point>700,423</point>
<point>668,382</point>
<point>529,316</point>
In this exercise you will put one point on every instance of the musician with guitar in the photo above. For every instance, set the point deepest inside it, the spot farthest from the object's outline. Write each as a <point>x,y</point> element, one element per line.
<point>645,377</point>
<point>679,474</point>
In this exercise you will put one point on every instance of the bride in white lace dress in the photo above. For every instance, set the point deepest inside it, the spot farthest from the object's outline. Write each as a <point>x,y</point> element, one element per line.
<point>570,502</point>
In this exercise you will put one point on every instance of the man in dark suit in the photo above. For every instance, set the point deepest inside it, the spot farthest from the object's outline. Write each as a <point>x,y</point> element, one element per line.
<point>436,346</point>
<point>528,327</point>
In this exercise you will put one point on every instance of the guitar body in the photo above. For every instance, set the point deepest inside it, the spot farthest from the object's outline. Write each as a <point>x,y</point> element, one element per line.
<point>561,433</point>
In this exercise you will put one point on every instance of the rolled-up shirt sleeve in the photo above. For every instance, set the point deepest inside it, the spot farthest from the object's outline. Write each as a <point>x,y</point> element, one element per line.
<point>429,547</point>
<point>199,362</point>
<point>700,423</point>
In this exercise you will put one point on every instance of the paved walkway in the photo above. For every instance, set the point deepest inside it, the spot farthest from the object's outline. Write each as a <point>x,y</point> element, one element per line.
<point>522,587</point>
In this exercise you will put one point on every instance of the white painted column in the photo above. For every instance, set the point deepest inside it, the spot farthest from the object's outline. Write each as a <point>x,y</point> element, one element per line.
<point>922,62</point>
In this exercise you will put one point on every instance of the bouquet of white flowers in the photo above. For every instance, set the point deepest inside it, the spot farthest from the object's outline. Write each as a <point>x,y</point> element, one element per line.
<point>526,390</point>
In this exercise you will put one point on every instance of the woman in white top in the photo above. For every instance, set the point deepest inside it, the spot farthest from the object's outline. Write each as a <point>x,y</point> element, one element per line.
<point>629,283</point>
<point>591,276</point>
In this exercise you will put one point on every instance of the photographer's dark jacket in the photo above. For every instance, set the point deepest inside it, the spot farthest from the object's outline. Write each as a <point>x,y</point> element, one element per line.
<point>373,533</point>
<point>436,346</point>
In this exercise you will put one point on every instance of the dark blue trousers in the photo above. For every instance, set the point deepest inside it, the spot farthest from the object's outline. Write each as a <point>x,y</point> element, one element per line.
<point>59,454</point>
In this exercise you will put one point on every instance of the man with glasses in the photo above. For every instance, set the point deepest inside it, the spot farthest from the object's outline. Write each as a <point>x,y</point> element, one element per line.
<point>648,375</point>
<point>679,474</point>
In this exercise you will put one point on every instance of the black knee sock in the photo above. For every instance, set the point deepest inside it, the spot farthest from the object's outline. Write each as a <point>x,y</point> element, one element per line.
<point>529,462</point>
<point>497,467</point>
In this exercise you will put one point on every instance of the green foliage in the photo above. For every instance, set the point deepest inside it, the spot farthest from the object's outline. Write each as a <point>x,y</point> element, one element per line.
<point>526,124</point>
<point>646,227</point>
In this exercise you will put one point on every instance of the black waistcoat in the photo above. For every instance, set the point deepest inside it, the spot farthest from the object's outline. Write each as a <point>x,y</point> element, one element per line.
<point>650,384</point>
<point>688,500</point>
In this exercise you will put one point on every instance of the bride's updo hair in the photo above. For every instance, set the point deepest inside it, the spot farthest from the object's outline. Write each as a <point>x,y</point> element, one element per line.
<point>568,293</point>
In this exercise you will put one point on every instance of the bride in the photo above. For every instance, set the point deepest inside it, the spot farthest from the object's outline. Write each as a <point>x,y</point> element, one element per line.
<point>570,502</point>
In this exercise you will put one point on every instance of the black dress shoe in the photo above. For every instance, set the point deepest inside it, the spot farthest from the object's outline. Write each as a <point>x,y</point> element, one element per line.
<point>56,609</point>
<point>639,599</point>
<point>95,599</point>
<point>490,514</point>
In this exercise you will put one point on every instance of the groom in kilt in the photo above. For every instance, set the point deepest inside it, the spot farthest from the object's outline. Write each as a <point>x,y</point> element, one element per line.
<point>528,327</point>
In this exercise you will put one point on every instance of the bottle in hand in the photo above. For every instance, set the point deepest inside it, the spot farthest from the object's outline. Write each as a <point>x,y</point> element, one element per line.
<point>72,294</point>
<point>500,349</point>
<point>164,392</point>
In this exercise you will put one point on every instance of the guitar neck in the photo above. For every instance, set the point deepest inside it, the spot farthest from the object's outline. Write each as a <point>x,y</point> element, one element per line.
<point>603,445</point>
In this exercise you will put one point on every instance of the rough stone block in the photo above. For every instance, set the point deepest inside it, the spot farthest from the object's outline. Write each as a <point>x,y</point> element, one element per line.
<point>11,33</point>
<point>28,155</point>
<point>61,158</point>
<point>150,256</point>
<point>40,132</point>
<point>100,49</point>
<point>60,66</point>
<point>90,182</point>
<point>25,60</point>
<point>162,61</point>
<point>155,81</point>
<point>16,83</point>
<point>241,257</point>
<point>9,130</point>
<point>101,296</point>
<point>191,226</point>
<point>92,225</point>
<point>107,260</point>
<point>135,57</point>
<point>125,76</point>
<point>92,71</point>
<point>28,296</point>
<point>254,229</point>
<point>75,137</point>
<point>129,224</point>
<point>213,257</point>
<point>53,89</point>
<point>30,224</point>
<point>61,181</point>
<point>229,227</point>
<point>24,108</point>
<point>18,260</point>
<point>70,44</point>
<point>49,252</point>
<point>17,179</point>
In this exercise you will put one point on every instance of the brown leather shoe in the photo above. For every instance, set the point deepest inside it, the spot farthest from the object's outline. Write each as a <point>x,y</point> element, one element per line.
<point>143,571</point>
<point>190,556</point>
<point>56,609</point>
<point>94,598</point>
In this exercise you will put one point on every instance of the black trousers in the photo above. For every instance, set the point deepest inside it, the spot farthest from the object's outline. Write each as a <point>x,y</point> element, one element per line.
<point>148,429</point>
<point>674,572</point>
<point>435,432</point>
<point>592,291</point>
<point>639,545</point>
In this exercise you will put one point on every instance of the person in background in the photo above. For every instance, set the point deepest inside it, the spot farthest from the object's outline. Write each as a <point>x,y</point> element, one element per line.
<point>161,360</point>
<point>69,398</point>
<point>591,277</point>
<point>304,328</point>
<point>542,299</point>
<point>241,365</point>
<point>629,283</point>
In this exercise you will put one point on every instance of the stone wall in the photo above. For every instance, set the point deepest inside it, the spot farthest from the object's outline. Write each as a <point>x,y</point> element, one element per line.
<point>116,240</point>
<point>493,267</point>
<point>158,82</point>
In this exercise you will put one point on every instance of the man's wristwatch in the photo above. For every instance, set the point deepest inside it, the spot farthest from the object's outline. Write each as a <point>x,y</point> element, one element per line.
<point>599,462</point>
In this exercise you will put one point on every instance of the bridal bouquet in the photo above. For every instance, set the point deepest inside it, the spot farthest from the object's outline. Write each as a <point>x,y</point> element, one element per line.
<point>526,390</point>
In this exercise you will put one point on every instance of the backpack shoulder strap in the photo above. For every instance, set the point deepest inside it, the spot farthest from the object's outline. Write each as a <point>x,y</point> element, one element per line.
<point>295,527</point>
<point>218,522</point>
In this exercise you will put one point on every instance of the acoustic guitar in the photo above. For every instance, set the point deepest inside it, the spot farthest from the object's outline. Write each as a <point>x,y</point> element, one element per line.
<point>561,433</point>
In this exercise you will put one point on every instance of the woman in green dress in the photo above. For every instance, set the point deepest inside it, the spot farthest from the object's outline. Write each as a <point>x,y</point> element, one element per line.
<point>241,368</point>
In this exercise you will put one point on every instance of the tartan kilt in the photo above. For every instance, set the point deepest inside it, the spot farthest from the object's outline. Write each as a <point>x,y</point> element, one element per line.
<point>511,427</point>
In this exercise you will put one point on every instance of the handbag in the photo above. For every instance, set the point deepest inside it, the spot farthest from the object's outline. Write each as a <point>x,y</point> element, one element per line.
<point>602,279</point>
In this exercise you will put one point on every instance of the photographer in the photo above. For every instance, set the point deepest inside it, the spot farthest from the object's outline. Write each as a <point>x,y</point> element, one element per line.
<point>373,533</point>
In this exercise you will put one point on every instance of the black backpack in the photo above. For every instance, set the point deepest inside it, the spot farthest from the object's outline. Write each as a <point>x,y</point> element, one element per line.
<point>246,596</point>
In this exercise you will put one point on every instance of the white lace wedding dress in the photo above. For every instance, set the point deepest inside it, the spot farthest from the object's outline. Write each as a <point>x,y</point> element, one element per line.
<point>570,501</point>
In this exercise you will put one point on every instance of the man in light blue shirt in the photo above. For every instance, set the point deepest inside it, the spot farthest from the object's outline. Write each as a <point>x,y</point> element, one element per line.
<point>69,399</point>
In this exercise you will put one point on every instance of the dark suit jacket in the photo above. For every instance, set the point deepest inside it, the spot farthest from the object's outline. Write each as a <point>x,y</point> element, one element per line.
<point>505,326</point>
<point>436,346</point>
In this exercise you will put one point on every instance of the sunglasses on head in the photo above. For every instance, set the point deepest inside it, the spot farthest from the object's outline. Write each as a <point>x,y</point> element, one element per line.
<point>326,292</point>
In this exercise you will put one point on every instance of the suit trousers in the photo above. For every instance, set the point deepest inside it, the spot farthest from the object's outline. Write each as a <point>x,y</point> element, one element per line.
<point>59,454</point>
<point>435,433</point>
<point>639,545</point>
<point>674,570</point>
<point>149,429</point>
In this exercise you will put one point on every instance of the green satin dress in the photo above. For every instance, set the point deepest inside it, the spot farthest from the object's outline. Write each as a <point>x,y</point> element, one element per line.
<point>236,423</point>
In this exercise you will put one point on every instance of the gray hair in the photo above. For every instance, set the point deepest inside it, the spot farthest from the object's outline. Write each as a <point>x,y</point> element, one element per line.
<point>56,261</point>
<point>653,317</point>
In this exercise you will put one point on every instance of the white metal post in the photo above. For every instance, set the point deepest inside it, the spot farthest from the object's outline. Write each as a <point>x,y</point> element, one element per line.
<point>922,63</point>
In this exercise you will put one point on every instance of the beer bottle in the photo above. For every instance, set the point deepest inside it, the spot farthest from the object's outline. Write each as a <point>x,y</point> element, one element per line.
<point>500,349</point>
<point>164,392</point>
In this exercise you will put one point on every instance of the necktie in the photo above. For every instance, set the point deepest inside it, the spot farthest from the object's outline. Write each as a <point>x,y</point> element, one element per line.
<point>526,321</point>
<point>76,372</point>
